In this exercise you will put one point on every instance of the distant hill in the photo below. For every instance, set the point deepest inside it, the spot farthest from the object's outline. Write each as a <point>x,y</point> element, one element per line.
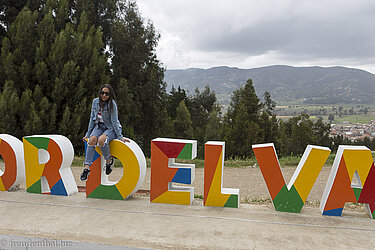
<point>316,85</point>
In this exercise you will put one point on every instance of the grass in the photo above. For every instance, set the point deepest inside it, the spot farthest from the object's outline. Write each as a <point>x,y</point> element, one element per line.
<point>198,196</point>
<point>354,118</point>
<point>288,161</point>
<point>285,161</point>
<point>240,162</point>
<point>257,200</point>
<point>78,162</point>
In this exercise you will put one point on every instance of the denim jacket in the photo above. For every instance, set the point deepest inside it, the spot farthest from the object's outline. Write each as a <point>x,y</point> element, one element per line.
<point>110,119</point>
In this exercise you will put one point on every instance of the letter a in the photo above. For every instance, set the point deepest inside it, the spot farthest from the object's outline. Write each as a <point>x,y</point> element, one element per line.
<point>352,179</point>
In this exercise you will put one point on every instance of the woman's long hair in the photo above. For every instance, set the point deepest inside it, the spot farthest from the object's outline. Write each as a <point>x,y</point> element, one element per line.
<point>112,97</point>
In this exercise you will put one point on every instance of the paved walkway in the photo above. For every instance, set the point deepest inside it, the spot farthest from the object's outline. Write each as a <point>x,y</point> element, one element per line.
<point>138,223</point>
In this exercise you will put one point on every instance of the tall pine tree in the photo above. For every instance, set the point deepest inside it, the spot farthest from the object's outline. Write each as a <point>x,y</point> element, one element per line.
<point>134,61</point>
<point>56,69</point>
<point>183,127</point>
<point>242,122</point>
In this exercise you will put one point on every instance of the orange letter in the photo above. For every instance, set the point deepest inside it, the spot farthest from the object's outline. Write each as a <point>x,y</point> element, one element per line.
<point>290,198</point>
<point>352,179</point>
<point>12,153</point>
<point>214,193</point>
<point>165,172</point>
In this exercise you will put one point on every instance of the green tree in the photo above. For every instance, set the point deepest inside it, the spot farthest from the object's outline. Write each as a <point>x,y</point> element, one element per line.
<point>213,129</point>
<point>9,102</point>
<point>269,104</point>
<point>174,98</point>
<point>321,133</point>
<point>100,13</point>
<point>201,105</point>
<point>124,94</point>
<point>56,54</point>
<point>295,134</point>
<point>269,127</point>
<point>340,109</point>
<point>241,123</point>
<point>8,13</point>
<point>268,120</point>
<point>19,49</point>
<point>340,140</point>
<point>133,57</point>
<point>78,68</point>
<point>56,69</point>
<point>183,127</point>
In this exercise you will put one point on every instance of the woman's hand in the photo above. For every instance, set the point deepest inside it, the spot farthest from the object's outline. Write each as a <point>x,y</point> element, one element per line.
<point>123,139</point>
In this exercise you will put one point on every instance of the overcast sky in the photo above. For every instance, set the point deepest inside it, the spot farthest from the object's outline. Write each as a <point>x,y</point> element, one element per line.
<point>256,33</point>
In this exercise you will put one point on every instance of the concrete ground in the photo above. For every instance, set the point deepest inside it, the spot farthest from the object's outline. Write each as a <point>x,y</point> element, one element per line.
<point>138,223</point>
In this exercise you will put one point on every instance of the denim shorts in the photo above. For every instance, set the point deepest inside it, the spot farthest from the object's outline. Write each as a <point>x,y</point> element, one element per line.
<point>101,129</point>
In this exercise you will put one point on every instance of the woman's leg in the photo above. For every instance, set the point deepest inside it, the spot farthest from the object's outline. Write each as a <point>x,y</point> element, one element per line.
<point>104,140</point>
<point>90,151</point>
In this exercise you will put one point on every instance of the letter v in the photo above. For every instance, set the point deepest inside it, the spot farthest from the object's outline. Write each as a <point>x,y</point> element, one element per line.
<point>290,198</point>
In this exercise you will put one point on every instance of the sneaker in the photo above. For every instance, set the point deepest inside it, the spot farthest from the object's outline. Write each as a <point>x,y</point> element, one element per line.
<point>85,174</point>
<point>109,167</point>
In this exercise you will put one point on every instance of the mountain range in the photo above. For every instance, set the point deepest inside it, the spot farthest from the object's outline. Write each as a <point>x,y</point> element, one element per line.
<point>286,84</point>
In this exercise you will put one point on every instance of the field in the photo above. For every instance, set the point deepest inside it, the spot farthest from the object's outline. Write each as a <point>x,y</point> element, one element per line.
<point>329,113</point>
<point>355,118</point>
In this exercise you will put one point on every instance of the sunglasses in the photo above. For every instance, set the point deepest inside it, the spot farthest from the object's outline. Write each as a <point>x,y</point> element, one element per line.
<point>104,93</point>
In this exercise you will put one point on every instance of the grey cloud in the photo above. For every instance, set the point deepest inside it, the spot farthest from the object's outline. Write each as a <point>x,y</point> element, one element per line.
<point>248,32</point>
<point>340,36</point>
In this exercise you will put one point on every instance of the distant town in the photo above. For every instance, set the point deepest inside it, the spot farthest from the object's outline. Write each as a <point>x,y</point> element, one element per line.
<point>353,131</point>
<point>354,122</point>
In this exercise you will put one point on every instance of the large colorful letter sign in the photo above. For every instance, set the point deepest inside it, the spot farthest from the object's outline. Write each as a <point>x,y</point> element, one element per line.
<point>214,193</point>
<point>47,165</point>
<point>134,172</point>
<point>290,198</point>
<point>352,179</point>
<point>165,172</point>
<point>12,153</point>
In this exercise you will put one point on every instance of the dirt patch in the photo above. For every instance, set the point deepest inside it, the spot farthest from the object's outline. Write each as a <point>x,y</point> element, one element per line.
<point>249,180</point>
